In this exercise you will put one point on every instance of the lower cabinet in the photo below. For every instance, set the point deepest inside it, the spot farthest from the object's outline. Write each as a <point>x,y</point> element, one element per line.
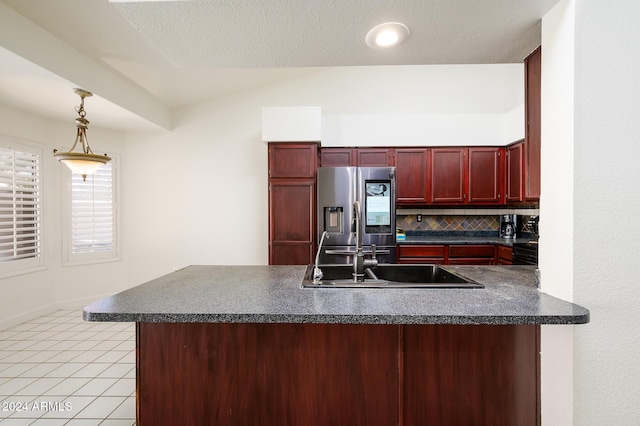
<point>504,255</point>
<point>422,254</point>
<point>337,374</point>
<point>472,254</point>
<point>458,254</point>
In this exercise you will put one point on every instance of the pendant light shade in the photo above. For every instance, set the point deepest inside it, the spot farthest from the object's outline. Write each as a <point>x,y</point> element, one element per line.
<point>83,162</point>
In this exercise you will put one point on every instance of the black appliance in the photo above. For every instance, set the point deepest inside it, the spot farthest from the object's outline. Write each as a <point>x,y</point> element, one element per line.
<point>525,253</point>
<point>508,226</point>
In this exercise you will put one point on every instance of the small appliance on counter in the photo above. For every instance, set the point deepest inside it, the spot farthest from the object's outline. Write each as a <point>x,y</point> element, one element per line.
<point>508,225</point>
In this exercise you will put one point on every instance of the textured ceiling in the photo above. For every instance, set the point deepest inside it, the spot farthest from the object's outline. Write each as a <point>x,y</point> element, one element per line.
<point>311,33</point>
<point>150,57</point>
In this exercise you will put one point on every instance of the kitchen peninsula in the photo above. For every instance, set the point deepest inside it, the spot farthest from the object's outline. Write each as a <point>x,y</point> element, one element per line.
<point>247,345</point>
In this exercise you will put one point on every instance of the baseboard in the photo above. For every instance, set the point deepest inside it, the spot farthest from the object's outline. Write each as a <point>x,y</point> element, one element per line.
<point>6,323</point>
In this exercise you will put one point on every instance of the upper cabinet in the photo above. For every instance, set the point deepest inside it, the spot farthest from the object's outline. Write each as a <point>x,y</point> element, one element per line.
<point>486,175</point>
<point>515,155</point>
<point>448,175</point>
<point>337,157</point>
<point>374,157</point>
<point>532,106</point>
<point>412,175</point>
<point>363,157</point>
<point>456,175</point>
<point>473,175</point>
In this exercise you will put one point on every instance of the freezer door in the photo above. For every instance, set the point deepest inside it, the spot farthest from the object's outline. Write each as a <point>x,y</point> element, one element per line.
<point>335,198</point>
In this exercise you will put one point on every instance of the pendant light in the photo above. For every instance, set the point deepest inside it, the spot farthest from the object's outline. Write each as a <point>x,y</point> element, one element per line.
<point>86,162</point>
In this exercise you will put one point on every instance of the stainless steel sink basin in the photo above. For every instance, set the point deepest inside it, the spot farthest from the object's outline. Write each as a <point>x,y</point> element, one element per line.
<point>390,276</point>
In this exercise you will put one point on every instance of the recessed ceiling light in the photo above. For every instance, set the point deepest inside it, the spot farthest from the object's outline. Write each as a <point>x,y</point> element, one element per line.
<point>389,34</point>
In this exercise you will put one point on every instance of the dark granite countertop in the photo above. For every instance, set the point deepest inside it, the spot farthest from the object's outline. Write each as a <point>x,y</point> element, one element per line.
<point>422,239</point>
<point>447,237</point>
<point>273,294</point>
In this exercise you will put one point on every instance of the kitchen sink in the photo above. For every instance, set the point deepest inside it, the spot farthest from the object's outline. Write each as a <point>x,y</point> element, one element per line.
<point>389,276</point>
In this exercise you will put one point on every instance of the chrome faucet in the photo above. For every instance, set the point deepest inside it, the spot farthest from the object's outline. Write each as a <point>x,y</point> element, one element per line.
<point>359,262</point>
<point>317,272</point>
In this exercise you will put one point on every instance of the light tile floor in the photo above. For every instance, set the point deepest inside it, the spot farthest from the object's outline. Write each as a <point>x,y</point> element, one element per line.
<point>60,370</point>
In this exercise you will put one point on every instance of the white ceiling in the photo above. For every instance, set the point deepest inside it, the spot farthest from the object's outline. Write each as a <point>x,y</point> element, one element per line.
<point>143,59</point>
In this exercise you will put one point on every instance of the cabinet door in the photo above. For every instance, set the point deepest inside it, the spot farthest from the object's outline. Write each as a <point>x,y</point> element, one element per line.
<point>291,222</point>
<point>374,157</point>
<point>485,175</point>
<point>292,160</point>
<point>448,175</point>
<point>514,172</point>
<point>336,157</point>
<point>411,175</point>
<point>435,254</point>
<point>472,254</point>
<point>533,68</point>
<point>505,255</point>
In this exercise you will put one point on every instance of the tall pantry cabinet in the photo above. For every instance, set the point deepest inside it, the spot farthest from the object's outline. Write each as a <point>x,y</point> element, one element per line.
<point>532,105</point>
<point>292,188</point>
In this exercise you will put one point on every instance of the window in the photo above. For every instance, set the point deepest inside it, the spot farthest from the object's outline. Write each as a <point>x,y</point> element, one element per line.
<point>20,207</point>
<point>91,231</point>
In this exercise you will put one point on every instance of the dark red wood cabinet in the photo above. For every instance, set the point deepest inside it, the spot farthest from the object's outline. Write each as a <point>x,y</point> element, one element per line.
<point>472,254</point>
<point>454,254</point>
<point>533,109</point>
<point>448,175</point>
<point>412,175</point>
<point>504,255</point>
<point>337,374</point>
<point>435,254</point>
<point>338,157</point>
<point>374,157</point>
<point>486,175</point>
<point>292,194</point>
<point>364,157</point>
<point>514,155</point>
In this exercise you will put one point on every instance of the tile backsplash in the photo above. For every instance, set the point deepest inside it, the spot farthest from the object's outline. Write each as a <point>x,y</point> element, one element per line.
<point>485,221</point>
<point>448,223</point>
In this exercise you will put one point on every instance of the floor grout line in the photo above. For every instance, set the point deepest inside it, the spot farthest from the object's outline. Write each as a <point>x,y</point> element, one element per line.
<point>57,368</point>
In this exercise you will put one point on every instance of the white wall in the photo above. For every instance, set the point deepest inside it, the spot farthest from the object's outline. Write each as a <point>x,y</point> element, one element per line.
<point>200,192</point>
<point>556,207</point>
<point>24,296</point>
<point>606,206</point>
<point>439,105</point>
<point>589,203</point>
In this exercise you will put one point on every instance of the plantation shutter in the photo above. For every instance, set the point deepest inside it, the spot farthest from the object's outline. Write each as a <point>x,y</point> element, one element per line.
<point>20,212</point>
<point>92,211</point>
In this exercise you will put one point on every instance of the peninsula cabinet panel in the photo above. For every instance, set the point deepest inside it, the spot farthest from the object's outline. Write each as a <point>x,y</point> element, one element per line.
<point>412,176</point>
<point>267,374</point>
<point>337,374</point>
<point>486,171</point>
<point>514,172</point>
<point>471,375</point>
<point>448,175</point>
<point>532,106</point>
<point>293,160</point>
<point>291,224</point>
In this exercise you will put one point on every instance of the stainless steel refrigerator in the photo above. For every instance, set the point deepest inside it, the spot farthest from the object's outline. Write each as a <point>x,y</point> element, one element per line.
<point>338,190</point>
